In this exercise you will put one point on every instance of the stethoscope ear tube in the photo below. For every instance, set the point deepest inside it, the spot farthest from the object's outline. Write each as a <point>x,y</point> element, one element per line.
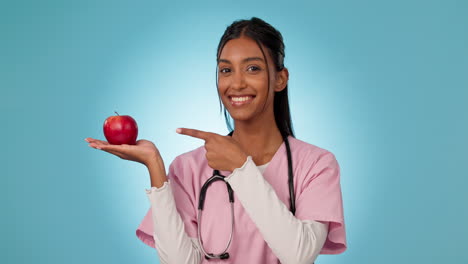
<point>216,177</point>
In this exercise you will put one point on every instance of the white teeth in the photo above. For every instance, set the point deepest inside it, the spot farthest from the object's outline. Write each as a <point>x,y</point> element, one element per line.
<point>240,99</point>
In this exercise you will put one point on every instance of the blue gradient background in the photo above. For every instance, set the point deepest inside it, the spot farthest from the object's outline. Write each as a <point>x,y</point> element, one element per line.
<point>381,85</point>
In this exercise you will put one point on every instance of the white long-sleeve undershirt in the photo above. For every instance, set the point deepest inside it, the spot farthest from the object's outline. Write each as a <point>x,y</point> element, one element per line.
<point>295,241</point>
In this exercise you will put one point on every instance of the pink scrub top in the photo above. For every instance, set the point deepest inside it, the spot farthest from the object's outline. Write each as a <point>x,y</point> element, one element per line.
<point>318,197</point>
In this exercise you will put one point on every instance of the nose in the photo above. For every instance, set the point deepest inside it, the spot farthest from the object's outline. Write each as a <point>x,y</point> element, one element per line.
<point>238,81</point>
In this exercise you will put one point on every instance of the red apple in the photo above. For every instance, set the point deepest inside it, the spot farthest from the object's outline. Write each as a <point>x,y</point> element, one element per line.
<point>121,129</point>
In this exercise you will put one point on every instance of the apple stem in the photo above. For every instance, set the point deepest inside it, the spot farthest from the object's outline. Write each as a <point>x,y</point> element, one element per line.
<point>116,112</point>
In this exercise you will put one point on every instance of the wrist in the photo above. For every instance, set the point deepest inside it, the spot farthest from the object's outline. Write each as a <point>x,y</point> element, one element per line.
<point>152,158</point>
<point>241,162</point>
<point>157,172</point>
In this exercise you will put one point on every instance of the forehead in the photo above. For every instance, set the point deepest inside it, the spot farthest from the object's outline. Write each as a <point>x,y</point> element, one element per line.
<point>240,48</point>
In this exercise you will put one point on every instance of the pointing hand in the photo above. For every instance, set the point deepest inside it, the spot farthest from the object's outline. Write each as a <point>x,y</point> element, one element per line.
<point>222,152</point>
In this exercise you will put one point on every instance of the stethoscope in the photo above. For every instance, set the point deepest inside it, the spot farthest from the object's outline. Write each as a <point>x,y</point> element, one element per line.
<point>218,177</point>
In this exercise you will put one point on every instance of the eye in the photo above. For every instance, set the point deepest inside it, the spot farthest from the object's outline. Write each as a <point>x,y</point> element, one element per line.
<point>224,70</point>
<point>253,68</point>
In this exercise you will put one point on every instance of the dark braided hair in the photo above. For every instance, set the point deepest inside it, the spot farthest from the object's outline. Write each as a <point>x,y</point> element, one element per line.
<point>265,34</point>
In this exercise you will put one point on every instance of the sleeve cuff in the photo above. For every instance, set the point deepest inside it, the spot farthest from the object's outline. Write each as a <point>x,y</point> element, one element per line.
<point>241,169</point>
<point>155,189</point>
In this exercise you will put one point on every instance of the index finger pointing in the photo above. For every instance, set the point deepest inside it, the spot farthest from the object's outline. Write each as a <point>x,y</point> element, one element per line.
<point>194,133</point>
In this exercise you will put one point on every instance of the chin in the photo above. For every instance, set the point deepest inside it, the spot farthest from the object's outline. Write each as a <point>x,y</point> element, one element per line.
<point>245,114</point>
<point>237,116</point>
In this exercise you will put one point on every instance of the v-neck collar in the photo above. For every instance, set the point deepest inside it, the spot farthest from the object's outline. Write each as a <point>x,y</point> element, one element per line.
<point>277,155</point>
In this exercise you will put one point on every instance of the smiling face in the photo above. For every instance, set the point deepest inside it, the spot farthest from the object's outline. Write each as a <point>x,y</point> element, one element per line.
<point>243,80</point>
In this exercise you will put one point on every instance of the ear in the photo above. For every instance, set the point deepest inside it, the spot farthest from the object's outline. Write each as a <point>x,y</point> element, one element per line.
<point>282,78</point>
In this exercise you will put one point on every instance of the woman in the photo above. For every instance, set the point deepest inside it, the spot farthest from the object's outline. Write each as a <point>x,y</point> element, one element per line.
<point>252,85</point>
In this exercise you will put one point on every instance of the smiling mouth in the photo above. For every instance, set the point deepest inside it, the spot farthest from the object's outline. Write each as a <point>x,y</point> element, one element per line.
<point>241,100</point>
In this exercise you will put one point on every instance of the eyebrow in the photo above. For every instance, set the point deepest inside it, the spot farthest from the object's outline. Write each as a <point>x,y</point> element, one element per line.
<point>243,61</point>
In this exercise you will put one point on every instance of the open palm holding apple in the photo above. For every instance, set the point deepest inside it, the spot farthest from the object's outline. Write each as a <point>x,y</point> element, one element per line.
<point>143,151</point>
<point>121,133</point>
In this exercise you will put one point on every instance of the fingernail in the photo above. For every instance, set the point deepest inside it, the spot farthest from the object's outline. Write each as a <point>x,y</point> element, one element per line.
<point>178,130</point>
<point>86,140</point>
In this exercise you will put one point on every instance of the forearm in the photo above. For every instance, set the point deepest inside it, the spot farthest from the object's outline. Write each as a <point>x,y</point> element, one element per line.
<point>171,241</point>
<point>292,240</point>
<point>157,172</point>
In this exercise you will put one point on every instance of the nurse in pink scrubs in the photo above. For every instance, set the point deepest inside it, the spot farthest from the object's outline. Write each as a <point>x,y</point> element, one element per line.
<point>258,225</point>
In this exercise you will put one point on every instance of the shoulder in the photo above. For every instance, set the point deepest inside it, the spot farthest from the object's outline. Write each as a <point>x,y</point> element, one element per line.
<point>310,158</point>
<point>308,151</point>
<point>188,162</point>
<point>195,155</point>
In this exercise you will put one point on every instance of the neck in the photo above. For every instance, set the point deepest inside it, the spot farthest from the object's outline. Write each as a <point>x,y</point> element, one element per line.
<point>260,140</point>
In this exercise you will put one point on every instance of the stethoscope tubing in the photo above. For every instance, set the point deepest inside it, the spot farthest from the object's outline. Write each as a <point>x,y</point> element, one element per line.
<point>216,177</point>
